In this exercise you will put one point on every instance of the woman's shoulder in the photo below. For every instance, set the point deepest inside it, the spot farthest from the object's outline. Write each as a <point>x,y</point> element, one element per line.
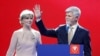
<point>18,30</point>
<point>35,31</point>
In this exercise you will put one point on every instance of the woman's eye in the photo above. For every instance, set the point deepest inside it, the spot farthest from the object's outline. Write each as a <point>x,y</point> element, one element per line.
<point>27,18</point>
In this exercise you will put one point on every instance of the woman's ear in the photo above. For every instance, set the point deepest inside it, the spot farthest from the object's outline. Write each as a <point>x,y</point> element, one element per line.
<point>20,21</point>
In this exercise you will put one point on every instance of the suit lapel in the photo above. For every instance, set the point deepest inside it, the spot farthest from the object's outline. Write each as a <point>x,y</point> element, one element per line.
<point>76,34</point>
<point>65,34</point>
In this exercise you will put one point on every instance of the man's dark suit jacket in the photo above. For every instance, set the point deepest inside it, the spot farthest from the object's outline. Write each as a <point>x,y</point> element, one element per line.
<point>81,36</point>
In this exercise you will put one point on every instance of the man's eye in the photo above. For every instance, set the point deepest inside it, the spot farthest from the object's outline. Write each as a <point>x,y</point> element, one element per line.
<point>31,18</point>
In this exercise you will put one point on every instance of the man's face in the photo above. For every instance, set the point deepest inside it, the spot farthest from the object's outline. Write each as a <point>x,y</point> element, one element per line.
<point>27,20</point>
<point>70,18</point>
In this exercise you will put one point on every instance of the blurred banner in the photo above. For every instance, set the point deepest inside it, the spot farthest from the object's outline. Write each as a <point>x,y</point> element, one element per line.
<point>60,50</point>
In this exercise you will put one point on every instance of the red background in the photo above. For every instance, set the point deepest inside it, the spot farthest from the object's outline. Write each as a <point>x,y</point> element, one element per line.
<point>53,15</point>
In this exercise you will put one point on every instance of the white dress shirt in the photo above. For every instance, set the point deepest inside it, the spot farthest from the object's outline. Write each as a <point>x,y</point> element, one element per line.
<point>73,30</point>
<point>24,43</point>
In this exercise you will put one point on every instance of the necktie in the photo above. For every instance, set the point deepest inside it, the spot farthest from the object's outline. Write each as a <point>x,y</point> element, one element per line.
<point>70,35</point>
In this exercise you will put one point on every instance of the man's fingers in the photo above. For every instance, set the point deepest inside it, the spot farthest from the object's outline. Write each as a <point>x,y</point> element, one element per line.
<point>37,7</point>
<point>33,9</point>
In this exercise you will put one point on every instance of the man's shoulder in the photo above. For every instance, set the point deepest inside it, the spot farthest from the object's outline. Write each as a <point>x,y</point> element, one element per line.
<point>83,29</point>
<point>60,26</point>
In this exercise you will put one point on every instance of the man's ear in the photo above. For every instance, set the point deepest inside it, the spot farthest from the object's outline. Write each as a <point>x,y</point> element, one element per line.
<point>77,17</point>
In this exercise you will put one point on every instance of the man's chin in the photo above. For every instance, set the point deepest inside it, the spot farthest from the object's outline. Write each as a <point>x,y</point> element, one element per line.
<point>69,23</point>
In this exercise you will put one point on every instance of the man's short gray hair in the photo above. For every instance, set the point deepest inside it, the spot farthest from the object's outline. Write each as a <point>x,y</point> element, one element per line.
<point>75,10</point>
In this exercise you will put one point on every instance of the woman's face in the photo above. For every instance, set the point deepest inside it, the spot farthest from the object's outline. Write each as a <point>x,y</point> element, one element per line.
<point>27,20</point>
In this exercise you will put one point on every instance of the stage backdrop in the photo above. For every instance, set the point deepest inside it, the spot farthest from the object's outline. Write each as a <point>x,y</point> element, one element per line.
<point>53,15</point>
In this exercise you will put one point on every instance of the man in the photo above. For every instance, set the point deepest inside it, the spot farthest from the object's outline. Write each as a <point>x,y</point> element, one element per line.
<point>70,33</point>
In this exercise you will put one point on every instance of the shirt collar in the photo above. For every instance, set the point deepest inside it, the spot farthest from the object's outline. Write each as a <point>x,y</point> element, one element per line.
<point>74,26</point>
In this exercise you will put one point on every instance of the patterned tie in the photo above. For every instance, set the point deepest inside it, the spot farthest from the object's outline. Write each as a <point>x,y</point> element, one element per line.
<point>70,35</point>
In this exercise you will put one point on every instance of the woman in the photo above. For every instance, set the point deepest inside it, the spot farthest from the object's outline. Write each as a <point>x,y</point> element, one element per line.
<point>24,40</point>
